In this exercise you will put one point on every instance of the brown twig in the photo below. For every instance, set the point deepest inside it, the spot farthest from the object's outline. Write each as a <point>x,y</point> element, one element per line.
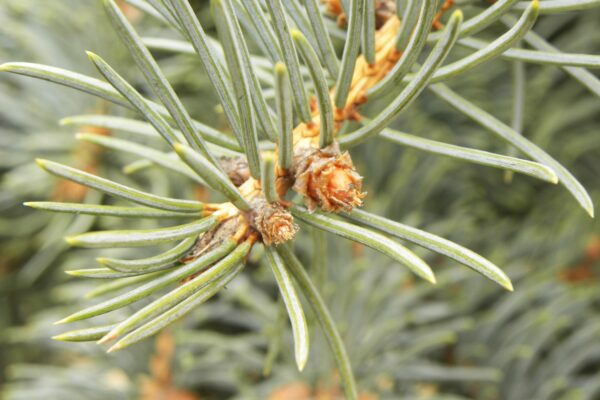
<point>437,25</point>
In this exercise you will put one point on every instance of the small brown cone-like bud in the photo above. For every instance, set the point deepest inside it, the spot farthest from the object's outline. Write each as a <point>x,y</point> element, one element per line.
<point>273,222</point>
<point>327,178</point>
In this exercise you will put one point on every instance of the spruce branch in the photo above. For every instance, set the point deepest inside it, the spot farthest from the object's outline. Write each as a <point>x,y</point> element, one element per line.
<point>255,177</point>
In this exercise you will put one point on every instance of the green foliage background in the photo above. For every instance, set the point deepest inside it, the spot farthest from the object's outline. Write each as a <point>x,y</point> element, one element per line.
<point>464,338</point>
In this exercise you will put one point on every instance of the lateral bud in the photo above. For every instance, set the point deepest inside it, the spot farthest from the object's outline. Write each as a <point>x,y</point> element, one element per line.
<point>274,223</point>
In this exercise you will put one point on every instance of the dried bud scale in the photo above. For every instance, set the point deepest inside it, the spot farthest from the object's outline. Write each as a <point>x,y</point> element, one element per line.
<point>327,178</point>
<point>274,223</point>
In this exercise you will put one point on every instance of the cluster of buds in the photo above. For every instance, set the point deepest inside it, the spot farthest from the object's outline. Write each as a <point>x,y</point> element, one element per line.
<point>325,177</point>
<point>270,221</point>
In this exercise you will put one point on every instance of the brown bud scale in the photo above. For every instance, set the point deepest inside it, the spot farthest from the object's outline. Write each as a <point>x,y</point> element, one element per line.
<point>274,223</point>
<point>327,178</point>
